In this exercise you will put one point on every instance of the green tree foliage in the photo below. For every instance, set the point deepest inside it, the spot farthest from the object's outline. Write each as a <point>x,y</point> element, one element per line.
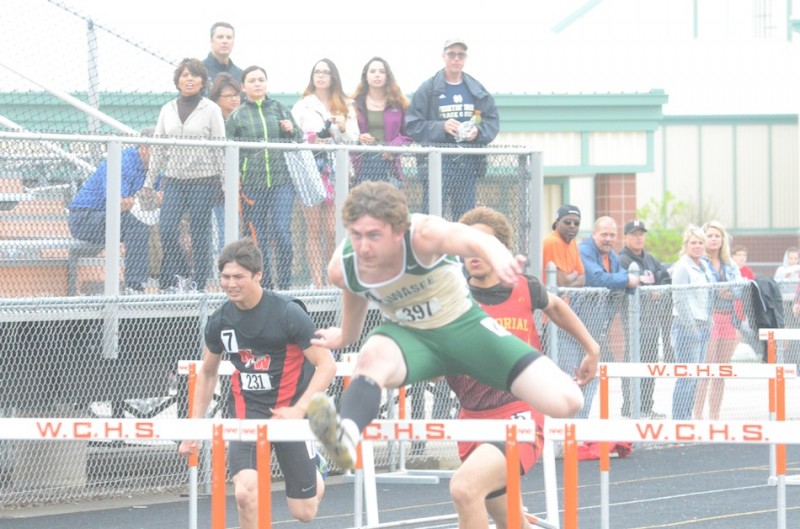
<point>665,219</point>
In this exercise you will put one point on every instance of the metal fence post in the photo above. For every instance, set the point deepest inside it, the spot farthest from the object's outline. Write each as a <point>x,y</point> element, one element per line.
<point>113,212</point>
<point>435,182</point>
<point>341,189</point>
<point>634,330</point>
<point>535,194</point>
<point>230,186</point>
<point>552,330</point>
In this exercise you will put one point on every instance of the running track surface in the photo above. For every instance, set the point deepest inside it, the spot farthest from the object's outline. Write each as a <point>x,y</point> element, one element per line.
<point>687,487</point>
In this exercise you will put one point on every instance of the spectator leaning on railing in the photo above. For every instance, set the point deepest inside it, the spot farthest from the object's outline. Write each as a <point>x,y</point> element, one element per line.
<point>438,108</point>
<point>561,249</point>
<point>655,311</point>
<point>603,269</point>
<point>192,176</point>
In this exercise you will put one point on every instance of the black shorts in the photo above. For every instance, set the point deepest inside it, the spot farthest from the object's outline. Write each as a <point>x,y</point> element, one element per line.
<point>296,460</point>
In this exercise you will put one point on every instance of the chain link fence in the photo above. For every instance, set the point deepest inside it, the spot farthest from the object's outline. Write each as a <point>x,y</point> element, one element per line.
<point>115,357</point>
<point>174,217</point>
<point>647,325</point>
<point>80,340</point>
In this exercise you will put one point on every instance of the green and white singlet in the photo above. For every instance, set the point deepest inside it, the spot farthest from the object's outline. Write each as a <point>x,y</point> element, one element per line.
<point>420,296</point>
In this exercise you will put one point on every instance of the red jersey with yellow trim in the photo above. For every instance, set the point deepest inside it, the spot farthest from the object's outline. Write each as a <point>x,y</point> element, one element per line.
<point>265,344</point>
<point>513,309</point>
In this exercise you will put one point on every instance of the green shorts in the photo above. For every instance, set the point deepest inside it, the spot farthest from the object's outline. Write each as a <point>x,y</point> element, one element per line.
<point>474,344</point>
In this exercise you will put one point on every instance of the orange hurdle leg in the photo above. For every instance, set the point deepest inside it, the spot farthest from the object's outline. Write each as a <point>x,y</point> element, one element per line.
<point>218,479</point>
<point>570,478</point>
<point>513,489</point>
<point>264,470</point>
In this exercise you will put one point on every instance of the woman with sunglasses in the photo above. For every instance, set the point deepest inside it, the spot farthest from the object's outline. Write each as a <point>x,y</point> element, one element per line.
<point>326,115</point>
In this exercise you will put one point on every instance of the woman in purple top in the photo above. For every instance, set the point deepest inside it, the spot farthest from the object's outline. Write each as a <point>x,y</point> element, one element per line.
<point>380,109</point>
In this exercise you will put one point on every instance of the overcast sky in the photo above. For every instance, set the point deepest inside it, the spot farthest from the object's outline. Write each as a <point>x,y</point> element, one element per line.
<point>618,46</point>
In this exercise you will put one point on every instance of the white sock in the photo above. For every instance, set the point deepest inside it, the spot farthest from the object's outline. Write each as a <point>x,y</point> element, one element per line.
<point>351,429</point>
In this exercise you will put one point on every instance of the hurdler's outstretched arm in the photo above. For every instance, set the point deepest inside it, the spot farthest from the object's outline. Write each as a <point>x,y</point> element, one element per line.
<point>434,236</point>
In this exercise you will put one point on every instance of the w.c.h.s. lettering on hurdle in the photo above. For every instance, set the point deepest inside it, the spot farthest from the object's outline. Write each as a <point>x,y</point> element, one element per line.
<point>106,429</point>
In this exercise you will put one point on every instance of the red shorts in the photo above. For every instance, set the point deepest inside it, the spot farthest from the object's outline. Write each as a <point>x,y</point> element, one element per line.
<point>723,326</point>
<point>529,453</point>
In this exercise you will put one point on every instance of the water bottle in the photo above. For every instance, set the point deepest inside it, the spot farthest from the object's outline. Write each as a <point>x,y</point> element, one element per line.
<point>465,129</point>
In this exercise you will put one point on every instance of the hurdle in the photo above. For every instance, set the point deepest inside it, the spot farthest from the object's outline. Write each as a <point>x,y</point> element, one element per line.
<point>744,432</point>
<point>772,372</point>
<point>771,336</point>
<point>365,462</point>
<point>364,476</point>
<point>218,431</point>
<point>188,368</point>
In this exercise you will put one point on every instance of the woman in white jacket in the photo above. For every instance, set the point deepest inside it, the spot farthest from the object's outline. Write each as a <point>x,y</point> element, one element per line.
<point>326,115</point>
<point>191,177</point>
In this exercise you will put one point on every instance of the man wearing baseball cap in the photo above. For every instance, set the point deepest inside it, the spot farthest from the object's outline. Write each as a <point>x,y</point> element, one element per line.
<point>561,248</point>
<point>438,108</point>
<point>656,315</point>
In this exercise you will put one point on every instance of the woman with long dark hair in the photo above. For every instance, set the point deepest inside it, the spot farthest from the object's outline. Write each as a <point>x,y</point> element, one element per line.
<point>381,112</point>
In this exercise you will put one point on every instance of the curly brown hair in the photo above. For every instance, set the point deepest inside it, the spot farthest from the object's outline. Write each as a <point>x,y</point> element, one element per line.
<point>493,219</point>
<point>379,200</point>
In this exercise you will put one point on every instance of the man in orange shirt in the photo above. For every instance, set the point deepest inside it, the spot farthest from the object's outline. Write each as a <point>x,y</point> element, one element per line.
<point>561,249</point>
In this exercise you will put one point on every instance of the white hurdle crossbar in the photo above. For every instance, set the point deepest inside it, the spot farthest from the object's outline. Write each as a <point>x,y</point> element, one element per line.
<point>50,429</point>
<point>650,431</point>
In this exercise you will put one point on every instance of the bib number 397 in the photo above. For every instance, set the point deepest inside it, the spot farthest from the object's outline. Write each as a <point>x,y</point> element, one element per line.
<point>418,312</point>
<point>256,381</point>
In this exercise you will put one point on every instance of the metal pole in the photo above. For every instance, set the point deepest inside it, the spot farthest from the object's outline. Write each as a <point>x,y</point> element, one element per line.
<point>113,212</point>
<point>634,328</point>
<point>231,190</point>
<point>552,329</point>
<point>341,188</point>
<point>536,192</point>
<point>193,498</point>
<point>75,102</point>
<point>92,93</point>
<point>435,182</point>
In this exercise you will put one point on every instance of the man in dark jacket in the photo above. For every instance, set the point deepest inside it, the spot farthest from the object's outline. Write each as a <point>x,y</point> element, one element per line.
<point>219,58</point>
<point>438,108</point>
<point>656,308</point>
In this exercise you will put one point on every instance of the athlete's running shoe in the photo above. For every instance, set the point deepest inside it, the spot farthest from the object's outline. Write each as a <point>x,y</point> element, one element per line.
<point>327,426</point>
<point>322,465</point>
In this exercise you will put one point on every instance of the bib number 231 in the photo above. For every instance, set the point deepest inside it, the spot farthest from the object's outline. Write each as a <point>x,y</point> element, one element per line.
<point>256,381</point>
